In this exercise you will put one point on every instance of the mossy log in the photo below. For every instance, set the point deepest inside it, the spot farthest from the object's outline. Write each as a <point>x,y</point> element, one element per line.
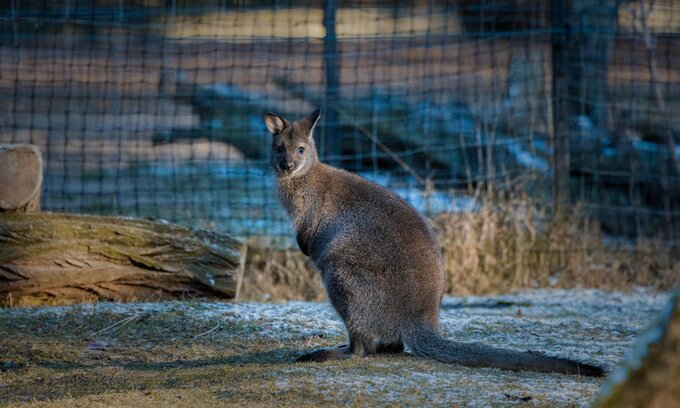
<point>650,376</point>
<point>51,258</point>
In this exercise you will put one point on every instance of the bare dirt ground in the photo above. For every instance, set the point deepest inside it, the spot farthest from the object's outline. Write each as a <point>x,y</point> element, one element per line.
<point>240,354</point>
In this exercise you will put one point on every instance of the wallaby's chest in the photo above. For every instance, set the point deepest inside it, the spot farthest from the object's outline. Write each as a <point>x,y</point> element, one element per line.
<point>299,201</point>
<point>304,204</point>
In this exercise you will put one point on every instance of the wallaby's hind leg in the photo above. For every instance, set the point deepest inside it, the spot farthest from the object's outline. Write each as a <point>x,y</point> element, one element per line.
<point>321,355</point>
<point>389,348</point>
<point>359,346</point>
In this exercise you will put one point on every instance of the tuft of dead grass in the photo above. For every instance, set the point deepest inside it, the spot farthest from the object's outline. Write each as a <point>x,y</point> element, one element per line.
<point>510,242</point>
<point>273,273</point>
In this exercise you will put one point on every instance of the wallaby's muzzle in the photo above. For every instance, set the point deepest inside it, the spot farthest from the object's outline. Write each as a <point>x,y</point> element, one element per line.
<point>286,166</point>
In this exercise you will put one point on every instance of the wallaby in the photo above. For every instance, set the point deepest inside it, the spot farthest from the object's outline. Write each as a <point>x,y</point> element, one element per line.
<point>379,260</point>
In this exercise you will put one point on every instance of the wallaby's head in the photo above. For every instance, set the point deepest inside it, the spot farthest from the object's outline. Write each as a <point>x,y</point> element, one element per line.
<point>293,151</point>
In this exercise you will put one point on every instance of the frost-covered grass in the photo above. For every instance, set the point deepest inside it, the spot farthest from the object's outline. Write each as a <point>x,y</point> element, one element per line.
<point>217,354</point>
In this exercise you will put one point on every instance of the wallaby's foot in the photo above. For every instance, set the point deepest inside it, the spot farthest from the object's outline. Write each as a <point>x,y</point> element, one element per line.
<point>321,355</point>
<point>395,348</point>
<point>343,352</point>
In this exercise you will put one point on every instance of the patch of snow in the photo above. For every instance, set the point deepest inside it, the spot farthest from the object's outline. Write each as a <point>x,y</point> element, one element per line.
<point>542,146</point>
<point>424,201</point>
<point>528,160</point>
<point>584,122</point>
<point>645,146</point>
<point>214,123</point>
<point>609,151</point>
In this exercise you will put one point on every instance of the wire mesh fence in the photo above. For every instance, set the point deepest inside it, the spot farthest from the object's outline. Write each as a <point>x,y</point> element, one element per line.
<point>154,108</point>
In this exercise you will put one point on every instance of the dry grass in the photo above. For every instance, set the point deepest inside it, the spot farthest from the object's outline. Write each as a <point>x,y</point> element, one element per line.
<point>279,274</point>
<point>509,243</point>
<point>513,243</point>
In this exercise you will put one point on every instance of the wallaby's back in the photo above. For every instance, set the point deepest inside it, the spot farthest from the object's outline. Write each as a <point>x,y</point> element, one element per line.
<point>379,259</point>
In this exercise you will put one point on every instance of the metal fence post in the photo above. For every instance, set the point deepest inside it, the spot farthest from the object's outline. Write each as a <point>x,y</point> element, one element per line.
<point>560,114</point>
<point>331,142</point>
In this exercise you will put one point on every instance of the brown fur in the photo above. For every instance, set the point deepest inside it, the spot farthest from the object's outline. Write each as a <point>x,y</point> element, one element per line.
<point>379,260</point>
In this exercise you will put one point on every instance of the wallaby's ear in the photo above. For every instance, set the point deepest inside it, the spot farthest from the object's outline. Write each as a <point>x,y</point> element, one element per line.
<point>310,120</point>
<point>275,123</point>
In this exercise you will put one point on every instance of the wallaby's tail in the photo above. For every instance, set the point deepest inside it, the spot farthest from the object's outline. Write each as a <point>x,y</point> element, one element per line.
<point>425,342</point>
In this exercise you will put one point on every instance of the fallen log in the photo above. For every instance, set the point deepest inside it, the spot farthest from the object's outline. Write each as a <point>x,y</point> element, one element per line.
<point>51,258</point>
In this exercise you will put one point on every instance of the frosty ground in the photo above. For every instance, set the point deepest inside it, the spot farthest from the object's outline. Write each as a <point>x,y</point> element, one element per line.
<point>220,354</point>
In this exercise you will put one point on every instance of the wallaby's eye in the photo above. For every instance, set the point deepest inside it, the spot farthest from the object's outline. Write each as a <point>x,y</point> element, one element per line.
<point>301,150</point>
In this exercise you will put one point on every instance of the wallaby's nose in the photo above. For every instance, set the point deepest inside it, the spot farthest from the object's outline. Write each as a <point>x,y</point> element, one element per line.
<point>286,165</point>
